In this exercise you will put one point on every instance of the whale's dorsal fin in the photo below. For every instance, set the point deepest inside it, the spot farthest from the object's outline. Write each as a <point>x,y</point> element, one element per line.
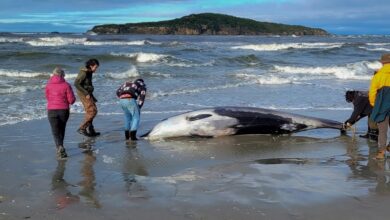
<point>198,117</point>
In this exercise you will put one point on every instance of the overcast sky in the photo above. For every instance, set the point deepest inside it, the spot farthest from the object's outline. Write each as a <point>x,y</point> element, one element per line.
<point>335,16</point>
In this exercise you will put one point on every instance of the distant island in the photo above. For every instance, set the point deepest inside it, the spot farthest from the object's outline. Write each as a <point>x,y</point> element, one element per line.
<point>207,24</point>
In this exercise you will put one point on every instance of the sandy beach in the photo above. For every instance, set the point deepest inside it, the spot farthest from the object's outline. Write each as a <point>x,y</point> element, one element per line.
<point>317,174</point>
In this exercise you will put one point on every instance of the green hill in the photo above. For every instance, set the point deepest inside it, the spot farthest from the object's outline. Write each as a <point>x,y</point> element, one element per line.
<point>208,24</point>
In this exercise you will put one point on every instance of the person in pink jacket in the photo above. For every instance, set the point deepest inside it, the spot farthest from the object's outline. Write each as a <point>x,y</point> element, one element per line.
<point>59,96</point>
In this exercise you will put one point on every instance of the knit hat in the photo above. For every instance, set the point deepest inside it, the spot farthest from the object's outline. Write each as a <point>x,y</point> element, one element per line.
<point>385,58</point>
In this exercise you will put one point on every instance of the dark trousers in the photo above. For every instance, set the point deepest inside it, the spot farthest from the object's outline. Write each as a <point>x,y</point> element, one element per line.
<point>58,119</point>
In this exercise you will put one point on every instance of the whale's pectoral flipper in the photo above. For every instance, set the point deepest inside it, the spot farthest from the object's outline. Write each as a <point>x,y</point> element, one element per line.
<point>198,117</point>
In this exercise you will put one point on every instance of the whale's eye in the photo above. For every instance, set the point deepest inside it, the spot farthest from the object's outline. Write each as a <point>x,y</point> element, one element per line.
<point>198,117</point>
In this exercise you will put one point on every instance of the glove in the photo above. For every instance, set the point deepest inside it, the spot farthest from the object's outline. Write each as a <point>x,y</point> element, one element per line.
<point>347,125</point>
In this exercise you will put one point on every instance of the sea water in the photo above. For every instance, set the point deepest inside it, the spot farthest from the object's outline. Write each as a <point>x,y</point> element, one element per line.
<point>184,73</point>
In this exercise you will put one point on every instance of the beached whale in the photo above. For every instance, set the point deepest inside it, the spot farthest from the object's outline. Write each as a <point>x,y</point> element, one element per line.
<point>222,121</point>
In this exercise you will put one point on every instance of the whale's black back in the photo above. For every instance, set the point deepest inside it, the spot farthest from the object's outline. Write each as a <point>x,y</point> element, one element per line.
<point>258,122</point>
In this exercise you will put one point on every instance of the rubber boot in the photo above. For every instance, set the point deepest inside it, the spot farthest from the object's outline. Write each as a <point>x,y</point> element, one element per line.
<point>373,134</point>
<point>127,134</point>
<point>133,135</point>
<point>92,131</point>
<point>83,132</point>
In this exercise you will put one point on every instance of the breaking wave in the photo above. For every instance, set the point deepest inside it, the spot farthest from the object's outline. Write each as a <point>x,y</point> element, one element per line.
<point>142,57</point>
<point>132,72</point>
<point>286,46</point>
<point>265,80</point>
<point>360,71</point>
<point>197,90</point>
<point>22,74</point>
<point>65,41</point>
<point>19,89</point>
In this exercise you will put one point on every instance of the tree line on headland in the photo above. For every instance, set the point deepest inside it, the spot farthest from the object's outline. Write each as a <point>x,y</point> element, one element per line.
<point>208,24</point>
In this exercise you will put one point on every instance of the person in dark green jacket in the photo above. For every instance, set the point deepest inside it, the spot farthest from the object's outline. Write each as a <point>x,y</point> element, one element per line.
<point>84,88</point>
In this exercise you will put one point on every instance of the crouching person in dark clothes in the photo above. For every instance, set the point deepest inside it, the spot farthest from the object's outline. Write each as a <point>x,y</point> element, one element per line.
<point>85,89</point>
<point>361,109</point>
<point>59,96</point>
<point>132,97</point>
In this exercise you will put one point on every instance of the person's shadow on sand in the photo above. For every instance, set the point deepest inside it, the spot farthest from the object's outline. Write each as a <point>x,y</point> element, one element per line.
<point>63,197</point>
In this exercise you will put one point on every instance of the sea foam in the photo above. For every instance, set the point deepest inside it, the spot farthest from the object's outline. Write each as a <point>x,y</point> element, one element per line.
<point>19,89</point>
<point>359,71</point>
<point>142,57</point>
<point>132,72</point>
<point>285,46</point>
<point>65,41</point>
<point>21,74</point>
<point>263,79</point>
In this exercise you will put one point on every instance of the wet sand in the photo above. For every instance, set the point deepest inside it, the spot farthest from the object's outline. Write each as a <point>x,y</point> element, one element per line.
<point>317,174</point>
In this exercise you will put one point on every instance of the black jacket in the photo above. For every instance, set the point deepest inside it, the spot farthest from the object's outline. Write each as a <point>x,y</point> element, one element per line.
<point>361,107</point>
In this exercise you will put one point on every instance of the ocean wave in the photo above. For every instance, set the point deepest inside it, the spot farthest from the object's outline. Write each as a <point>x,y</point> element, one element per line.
<point>11,40</point>
<point>20,74</point>
<point>142,57</point>
<point>55,41</point>
<point>168,60</point>
<point>157,74</point>
<point>359,71</point>
<point>65,41</point>
<point>19,89</point>
<point>250,59</point>
<point>197,90</point>
<point>286,46</point>
<point>188,64</point>
<point>378,44</point>
<point>132,72</point>
<point>6,119</point>
<point>375,49</point>
<point>71,75</point>
<point>265,80</point>
<point>121,43</point>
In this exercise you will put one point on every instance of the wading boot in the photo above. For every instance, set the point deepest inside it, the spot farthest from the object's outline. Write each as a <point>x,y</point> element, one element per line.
<point>83,132</point>
<point>92,131</point>
<point>133,135</point>
<point>61,153</point>
<point>373,134</point>
<point>127,135</point>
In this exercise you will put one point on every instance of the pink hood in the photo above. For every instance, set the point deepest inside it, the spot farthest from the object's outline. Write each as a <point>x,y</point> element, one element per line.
<point>59,93</point>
